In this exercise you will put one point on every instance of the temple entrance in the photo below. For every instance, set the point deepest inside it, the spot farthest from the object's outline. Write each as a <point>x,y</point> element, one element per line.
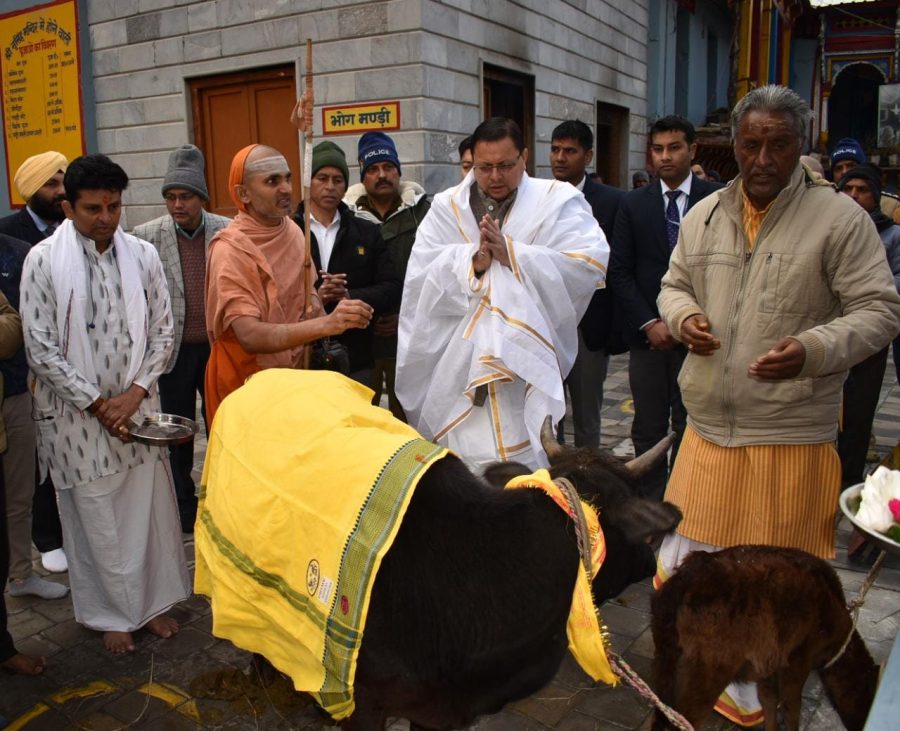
<point>853,106</point>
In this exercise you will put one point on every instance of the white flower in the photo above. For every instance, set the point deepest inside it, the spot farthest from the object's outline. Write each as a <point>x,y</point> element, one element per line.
<point>881,486</point>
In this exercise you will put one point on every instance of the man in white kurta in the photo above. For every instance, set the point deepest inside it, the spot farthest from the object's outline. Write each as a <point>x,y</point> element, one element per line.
<point>501,272</point>
<point>98,333</point>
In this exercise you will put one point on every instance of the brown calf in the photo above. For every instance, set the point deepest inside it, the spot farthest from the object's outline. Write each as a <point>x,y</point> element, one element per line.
<point>762,614</point>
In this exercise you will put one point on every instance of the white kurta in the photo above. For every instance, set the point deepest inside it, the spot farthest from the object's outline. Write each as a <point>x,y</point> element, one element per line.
<point>514,330</point>
<point>117,505</point>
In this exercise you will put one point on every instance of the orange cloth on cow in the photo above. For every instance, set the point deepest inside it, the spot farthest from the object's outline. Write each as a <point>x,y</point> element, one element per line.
<point>586,639</point>
<point>253,271</point>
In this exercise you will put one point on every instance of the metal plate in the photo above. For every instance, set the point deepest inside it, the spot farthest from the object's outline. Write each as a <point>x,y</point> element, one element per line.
<point>163,430</point>
<point>849,503</point>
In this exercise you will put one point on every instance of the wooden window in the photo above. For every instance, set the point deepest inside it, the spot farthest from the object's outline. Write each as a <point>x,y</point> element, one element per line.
<point>611,145</point>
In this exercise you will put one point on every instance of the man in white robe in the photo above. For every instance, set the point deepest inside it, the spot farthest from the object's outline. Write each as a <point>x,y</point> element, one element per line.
<point>502,270</point>
<point>98,334</point>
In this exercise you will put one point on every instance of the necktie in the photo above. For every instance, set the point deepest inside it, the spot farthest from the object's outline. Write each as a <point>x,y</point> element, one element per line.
<point>48,232</point>
<point>673,220</point>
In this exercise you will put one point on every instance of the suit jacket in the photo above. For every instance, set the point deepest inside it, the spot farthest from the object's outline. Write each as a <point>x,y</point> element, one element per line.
<point>598,323</point>
<point>20,225</point>
<point>640,255</point>
<point>161,233</point>
<point>361,253</point>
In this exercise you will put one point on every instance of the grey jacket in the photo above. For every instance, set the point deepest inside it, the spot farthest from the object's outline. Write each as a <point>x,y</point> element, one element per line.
<point>161,233</point>
<point>817,273</point>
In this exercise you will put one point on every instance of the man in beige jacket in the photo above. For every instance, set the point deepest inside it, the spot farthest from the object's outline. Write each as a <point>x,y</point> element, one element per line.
<point>777,286</point>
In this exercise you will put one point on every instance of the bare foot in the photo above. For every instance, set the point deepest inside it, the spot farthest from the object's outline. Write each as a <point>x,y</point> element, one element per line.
<point>162,626</point>
<point>24,664</point>
<point>118,642</point>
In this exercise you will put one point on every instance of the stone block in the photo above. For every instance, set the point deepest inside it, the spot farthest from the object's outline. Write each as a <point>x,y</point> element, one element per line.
<point>168,51</point>
<point>548,706</point>
<point>148,6</point>
<point>108,35</point>
<point>442,147</point>
<point>142,191</point>
<point>111,88</point>
<point>143,27</point>
<point>152,82</point>
<point>201,46</point>
<point>440,177</point>
<point>395,49</point>
<point>404,15</point>
<point>202,17</point>
<point>319,26</point>
<point>149,137</point>
<point>448,21</point>
<point>282,33</point>
<point>388,83</point>
<point>363,20</point>
<point>102,10</point>
<point>446,84</point>
<point>136,57</point>
<point>148,164</point>
<point>563,108</point>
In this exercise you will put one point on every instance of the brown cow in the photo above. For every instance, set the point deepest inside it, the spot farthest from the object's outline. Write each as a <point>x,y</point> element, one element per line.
<point>762,614</point>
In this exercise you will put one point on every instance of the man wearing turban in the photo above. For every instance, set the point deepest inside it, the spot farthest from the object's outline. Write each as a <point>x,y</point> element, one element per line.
<point>256,314</point>
<point>39,181</point>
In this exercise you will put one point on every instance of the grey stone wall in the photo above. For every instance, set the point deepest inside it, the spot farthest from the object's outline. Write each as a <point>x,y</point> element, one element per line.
<point>426,53</point>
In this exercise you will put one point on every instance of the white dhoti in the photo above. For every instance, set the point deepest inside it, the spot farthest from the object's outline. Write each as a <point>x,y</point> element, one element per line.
<point>123,543</point>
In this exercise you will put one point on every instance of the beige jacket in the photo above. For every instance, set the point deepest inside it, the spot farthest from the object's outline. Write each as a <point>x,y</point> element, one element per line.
<point>817,273</point>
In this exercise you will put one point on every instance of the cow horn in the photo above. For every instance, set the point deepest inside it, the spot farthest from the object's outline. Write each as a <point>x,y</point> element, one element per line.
<point>639,466</point>
<point>548,439</point>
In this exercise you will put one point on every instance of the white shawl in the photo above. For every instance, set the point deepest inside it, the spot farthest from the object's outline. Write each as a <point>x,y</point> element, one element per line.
<point>70,280</point>
<point>457,332</point>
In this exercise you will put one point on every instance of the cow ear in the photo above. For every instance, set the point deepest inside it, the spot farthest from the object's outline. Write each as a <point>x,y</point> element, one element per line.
<point>499,473</point>
<point>642,520</point>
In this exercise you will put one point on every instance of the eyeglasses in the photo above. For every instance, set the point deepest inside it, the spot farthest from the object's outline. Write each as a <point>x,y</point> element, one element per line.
<point>501,167</point>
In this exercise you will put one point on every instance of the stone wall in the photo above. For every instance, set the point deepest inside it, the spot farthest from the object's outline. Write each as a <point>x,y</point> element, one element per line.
<point>427,54</point>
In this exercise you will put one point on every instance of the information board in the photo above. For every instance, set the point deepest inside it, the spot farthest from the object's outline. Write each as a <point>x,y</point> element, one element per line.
<point>40,68</point>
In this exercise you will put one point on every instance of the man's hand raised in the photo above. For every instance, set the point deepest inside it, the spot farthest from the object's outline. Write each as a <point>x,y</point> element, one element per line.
<point>784,360</point>
<point>348,314</point>
<point>696,335</point>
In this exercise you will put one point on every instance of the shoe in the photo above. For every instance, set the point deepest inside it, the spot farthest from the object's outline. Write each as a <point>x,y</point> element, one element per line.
<point>55,561</point>
<point>34,585</point>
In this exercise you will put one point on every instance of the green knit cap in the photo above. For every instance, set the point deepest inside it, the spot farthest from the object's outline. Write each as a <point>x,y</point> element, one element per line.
<point>327,154</point>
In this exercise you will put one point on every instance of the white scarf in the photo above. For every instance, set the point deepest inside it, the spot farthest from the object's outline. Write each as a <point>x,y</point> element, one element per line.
<point>67,268</point>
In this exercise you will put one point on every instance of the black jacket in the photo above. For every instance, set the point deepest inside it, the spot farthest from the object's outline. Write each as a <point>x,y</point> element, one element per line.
<point>598,325</point>
<point>12,257</point>
<point>361,254</point>
<point>21,226</point>
<point>640,255</point>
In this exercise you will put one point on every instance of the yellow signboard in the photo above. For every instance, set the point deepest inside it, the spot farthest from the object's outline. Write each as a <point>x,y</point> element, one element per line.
<point>356,118</point>
<point>39,65</point>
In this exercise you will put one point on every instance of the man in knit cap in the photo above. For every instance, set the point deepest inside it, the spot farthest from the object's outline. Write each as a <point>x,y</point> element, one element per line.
<point>39,181</point>
<point>399,207</point>
<point>848,153</point>
<point>349,255</point>
<point>182,238</point>
<point>863,385</point>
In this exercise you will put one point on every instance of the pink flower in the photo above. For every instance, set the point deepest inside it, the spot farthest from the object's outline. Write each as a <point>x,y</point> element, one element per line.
<point>894,506</point>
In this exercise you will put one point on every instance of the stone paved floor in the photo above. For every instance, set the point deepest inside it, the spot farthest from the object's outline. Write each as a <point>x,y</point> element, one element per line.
<point>197,681</point>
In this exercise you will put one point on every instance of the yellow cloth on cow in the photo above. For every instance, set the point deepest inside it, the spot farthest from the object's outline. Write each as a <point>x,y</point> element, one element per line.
<point>36,171</point>
<point>586,640</point>
<point>303,491</point>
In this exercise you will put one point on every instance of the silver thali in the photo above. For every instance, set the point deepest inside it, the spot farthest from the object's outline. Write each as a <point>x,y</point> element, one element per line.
<point>162,430</point>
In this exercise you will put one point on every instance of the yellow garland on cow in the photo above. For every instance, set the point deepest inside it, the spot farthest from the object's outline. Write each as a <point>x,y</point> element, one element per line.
<point>588,638</point>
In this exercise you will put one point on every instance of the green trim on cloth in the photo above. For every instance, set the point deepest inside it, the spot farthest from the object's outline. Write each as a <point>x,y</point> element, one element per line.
<point>303,492</point>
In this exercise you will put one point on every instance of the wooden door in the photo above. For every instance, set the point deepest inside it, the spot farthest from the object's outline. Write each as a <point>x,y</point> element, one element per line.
<point>234,110</point>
